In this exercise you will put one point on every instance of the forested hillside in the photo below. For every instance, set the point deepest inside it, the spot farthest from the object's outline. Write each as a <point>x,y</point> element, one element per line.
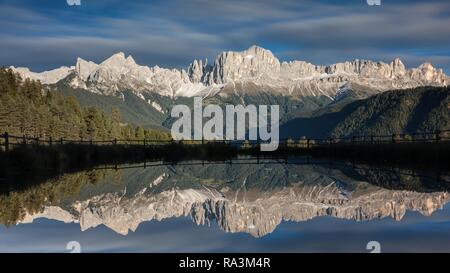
<point>423,109</point>
<point>26,108</point>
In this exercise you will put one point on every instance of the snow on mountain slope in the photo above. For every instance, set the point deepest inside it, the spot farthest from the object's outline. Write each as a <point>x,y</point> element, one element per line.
<point>251,70</point>
<point>119,73</point>
<point>46,77</point>
<point>298,78</point>
<point>258,213</point>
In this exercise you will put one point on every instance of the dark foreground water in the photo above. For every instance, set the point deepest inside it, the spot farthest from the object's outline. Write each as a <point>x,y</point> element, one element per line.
<point>241,207</point>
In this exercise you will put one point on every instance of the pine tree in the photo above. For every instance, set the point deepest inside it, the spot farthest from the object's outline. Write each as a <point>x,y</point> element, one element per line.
<point>139,133</point>
<point>26,108</point>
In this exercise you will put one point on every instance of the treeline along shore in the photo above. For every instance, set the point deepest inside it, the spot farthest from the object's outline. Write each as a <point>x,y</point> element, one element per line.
<point>43,160</point>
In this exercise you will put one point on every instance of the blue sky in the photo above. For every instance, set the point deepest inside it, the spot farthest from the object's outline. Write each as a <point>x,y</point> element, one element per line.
<point>414,233</point>
<point>46,34</point>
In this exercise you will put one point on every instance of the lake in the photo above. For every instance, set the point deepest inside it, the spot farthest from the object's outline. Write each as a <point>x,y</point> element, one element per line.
<point>244,205</point>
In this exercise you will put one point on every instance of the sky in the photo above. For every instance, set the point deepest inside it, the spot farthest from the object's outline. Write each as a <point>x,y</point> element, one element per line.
<point>414,233</point>
<point>46,34</point>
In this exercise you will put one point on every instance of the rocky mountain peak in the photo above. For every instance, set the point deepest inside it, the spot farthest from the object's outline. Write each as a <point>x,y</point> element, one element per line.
<point>257,215</point>
<point>397,62</point>
<point>431,74</point>
<point>114,60</point>
<point>258,51</point>
<point>251,70</point>
<point>426,66</point>
<point>197,70</point>
<point>398,68</point>
<point>84,68</point>
<point>130,60</point>
<point>46,77</point>
<point>247,64</point>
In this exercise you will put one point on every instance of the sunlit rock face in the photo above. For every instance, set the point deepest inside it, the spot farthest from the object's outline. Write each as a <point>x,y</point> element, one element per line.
<point>119,72</point>
<point>257,69</point>
<point>253,70</point>
<point>261,214</point>
<point>123,214</point>
<point>245,205</point>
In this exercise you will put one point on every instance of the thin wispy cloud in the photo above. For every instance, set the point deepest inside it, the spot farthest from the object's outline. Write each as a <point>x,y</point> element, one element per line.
<point>172,33</point>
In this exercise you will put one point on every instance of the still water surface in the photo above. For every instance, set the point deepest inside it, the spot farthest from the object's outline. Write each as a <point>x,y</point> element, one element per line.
<point>247,206</point>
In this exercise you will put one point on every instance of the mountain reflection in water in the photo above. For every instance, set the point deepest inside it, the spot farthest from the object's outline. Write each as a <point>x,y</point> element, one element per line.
<point>250,198</point>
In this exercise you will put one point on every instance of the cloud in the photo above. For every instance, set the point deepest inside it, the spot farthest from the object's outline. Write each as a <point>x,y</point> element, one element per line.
<point>172,33</point>
<point>393,28</point>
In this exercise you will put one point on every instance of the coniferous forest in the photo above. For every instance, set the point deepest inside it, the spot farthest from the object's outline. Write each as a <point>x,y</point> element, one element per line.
<point>27,108</point>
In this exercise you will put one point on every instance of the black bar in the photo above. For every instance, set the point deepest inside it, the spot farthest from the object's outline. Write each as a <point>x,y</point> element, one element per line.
<point>228,262</point>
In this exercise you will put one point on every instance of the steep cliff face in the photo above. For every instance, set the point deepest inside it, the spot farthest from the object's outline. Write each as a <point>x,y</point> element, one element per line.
<point>260,216</point>
<point>119,73</point>
<point>252,63</point>
<point>250,71</point>
<point>250,198</point>
<point>253,211</point>
<point>256,66</point>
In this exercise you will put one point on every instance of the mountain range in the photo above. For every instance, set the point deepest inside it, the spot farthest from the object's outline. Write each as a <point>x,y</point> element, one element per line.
<point>253,69</point>
<point>145,94</point>
<point>253,199</point>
